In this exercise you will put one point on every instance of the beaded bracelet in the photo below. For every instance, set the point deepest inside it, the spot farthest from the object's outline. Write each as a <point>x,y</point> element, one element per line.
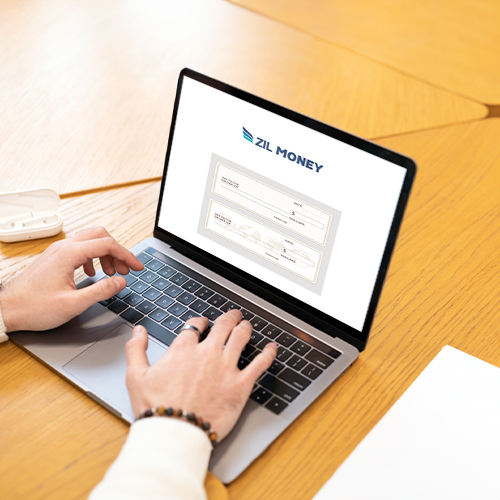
<point>178,413</point>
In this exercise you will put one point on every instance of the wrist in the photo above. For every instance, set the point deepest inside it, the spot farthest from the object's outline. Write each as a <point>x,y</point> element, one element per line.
<point>8,309</point>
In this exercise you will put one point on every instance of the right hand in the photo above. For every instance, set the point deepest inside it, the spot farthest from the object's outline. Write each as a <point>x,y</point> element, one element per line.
<point>202,378</point>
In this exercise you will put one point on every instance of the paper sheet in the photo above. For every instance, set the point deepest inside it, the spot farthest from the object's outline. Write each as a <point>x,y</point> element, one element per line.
<point>440,441</point>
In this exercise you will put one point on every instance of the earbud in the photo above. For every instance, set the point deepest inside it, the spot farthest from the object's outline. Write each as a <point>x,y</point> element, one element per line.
<point>10,223</point>
<point>46,219</point>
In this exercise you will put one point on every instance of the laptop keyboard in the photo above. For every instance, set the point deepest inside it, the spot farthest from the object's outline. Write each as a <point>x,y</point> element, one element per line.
<point>164,295</point>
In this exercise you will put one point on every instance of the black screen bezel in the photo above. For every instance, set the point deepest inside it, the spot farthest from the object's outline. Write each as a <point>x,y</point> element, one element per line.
<point>306,313</point>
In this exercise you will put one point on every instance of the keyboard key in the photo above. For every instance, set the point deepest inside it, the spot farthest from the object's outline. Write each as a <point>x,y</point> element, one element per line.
<point>311,371</point>
<point>139,286</point>
<point>123,293</point>
<point>191,286</point>
<point>137,273</point>
<point>154,265</point>
<point>283,354</point>
<point>145,307</point>
<point>248,350</point>
<point>264,342</point>
<point>161,283</point>
<point>164,302</point>
<point>132,315</point>
<point>261,395</point>
<point>144,257</point>
<point>117,306</point>
<point>151,294</point>
<point>166,272</point>
<point>254,354</point>
<point>157,331</point>
<point>300,348</point>
<point>172,322</point>
<point>198,305</point>
<point>255,338</point>
<point>217,300</point>
<point>129,278</point>
<point>258,323</point>
<point>276,405</point>
<point>179,279</point>
<point>186,298</point>
<point>243,363</point>
<point>278,387</point>
<point>158,315</point>
<point>177,309</point>
<point>294,379</point>
<point>276,367</point>
<point>212,314</point>
<point>204,293</point>
<point>189,314</point>
<point>285,339</point>
<point>148,276</point>
<point>228,306</point>
<point>133,299</point>
<point>247,314</point>
<point>106,303</point>
<point>271,331</point>
<point>318,358</point>
<point>296,363</point>
<point>173,290</point>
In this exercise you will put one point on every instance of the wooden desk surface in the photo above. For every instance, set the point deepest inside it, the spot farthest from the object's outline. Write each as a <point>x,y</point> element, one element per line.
<point>452,44</point>
<point>55,442</point>
<point>87,87</point>
<point>443,288</point>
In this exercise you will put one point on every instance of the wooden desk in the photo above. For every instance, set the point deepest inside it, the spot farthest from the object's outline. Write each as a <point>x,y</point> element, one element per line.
<point>452,44</point>
<point>443,287</point>
<point>55,442</point>
<point>87,87</point>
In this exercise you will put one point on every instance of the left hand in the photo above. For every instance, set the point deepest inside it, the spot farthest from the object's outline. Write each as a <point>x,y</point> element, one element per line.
<point>44,295</point>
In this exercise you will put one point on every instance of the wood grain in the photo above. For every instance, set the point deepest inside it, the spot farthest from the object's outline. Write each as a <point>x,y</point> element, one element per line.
<point>87,87</point>
<point>55,442</point>
<point>452,44</point>
<point>443,288</point>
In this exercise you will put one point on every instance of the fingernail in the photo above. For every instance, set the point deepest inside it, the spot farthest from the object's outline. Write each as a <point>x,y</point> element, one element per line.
<point>138,330</point>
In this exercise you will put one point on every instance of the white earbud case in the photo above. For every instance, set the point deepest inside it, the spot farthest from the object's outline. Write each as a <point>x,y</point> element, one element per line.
<point>29,214</point>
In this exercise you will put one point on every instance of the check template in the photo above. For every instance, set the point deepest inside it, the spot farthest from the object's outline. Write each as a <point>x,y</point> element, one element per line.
<point>288,233</point>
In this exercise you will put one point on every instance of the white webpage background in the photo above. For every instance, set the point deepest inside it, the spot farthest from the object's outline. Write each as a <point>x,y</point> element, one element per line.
<point>363,187</point>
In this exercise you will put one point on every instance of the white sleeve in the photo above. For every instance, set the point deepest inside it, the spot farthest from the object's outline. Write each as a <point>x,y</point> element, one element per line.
<point>163,458</point>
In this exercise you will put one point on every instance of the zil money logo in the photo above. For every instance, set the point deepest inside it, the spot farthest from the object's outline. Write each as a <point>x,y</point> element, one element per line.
<point>247,135</point>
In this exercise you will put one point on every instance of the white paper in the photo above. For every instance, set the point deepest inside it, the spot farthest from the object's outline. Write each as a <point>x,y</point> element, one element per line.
<point>440,441</point>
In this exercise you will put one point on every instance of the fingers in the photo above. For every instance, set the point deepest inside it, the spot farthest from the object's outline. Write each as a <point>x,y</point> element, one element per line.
<point>88,267</point>
<point>135,350</point>
<point>260,363</point>
<point>106,247</point>
<point>102,290</point>
<point>223,327</point>
<point>190,336</point>
<point>237,341</point>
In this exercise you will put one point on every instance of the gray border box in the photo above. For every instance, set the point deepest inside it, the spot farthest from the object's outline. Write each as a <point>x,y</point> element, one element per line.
<point>326,250</point>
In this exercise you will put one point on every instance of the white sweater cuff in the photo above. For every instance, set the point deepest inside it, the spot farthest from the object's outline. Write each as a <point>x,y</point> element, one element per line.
<point>163,458</point>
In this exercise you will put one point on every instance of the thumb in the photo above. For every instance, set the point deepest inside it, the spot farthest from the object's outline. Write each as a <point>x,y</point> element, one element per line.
<point>135,350</point>
<point>102,290</point>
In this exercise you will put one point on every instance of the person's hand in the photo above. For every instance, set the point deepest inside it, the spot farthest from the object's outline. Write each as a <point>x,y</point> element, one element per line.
<point>44,296</point>
<point>202,378</point>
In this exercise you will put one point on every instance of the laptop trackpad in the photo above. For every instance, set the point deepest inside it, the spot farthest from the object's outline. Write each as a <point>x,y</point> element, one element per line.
<point>102,368</point>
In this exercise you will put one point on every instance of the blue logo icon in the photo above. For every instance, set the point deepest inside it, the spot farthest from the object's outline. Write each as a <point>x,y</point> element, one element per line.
<point>247,135</point>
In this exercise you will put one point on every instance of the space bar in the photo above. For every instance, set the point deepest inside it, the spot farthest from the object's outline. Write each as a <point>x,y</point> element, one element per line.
<point>157,331</point>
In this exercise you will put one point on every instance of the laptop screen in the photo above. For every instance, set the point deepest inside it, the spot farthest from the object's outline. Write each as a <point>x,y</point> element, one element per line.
<point>302,211</point>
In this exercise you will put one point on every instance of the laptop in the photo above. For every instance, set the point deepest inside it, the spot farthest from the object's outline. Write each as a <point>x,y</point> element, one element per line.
<point>261,209</point>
